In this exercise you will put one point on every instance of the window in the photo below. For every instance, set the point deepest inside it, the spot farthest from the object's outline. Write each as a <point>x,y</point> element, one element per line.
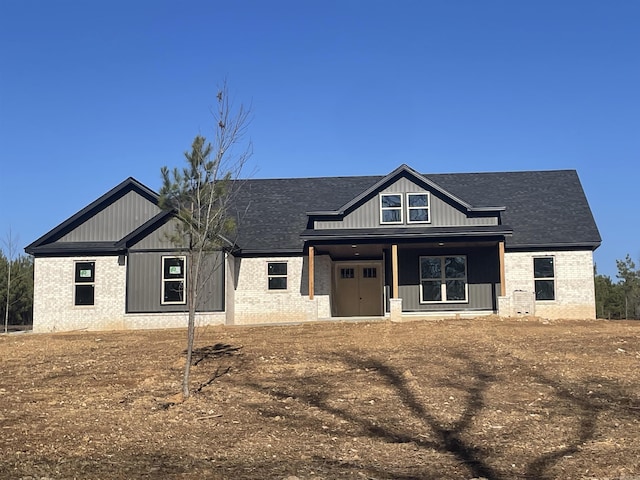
<point>173,280</point>
<point>418,208</point>
<point>277,275</point>
<point>347,273</point>
<point>391,208</point>
<point>85,283</point>
<point>544,278</point>
<point>369,272</point>
<point>443,279</point>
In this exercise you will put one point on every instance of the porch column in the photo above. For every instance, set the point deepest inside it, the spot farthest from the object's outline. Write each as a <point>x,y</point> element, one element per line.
<point>394,271</point>
<point>503,287</point>
<point>311,272</point>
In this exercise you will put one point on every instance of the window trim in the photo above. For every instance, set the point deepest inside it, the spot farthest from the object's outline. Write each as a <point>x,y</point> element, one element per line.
<point>165,280</point>
<point>383,209</point>
<point>427,208</point>
<point>443,279</point>
<point>285,276</point>
<point>552,279</point>
<point>77,283</point>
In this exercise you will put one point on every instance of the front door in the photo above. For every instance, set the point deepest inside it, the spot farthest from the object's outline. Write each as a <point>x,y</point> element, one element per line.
<point>358,289</point>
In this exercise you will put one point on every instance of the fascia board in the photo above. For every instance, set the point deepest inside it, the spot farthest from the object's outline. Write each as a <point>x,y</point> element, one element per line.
<point>130,183</point>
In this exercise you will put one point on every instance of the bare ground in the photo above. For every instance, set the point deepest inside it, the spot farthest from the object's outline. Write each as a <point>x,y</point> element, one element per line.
<point>455,399</point>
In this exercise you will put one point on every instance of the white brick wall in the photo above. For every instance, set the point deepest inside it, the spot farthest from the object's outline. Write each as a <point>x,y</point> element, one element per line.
<point>53,302</point>
<point>574,284</point>
<point>255,303</point>
<point>53,306</point>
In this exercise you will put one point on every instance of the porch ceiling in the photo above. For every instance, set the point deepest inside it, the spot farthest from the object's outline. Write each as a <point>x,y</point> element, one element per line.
<point>354,250</point>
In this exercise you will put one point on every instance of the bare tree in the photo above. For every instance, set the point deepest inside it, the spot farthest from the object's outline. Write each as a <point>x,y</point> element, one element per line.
<point>200,195</point>
<point>11,244</point>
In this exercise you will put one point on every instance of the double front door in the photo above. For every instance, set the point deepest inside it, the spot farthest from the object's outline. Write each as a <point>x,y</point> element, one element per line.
<point>358,289</point>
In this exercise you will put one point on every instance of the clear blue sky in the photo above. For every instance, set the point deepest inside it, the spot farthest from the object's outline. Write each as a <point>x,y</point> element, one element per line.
<point>92,92</point>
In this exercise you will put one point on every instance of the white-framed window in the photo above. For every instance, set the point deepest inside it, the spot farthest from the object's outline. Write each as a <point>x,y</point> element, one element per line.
<point>277,275</point>
<point>443,279</point>
<point>544,278</point>
<point>390,208</point>
<point>174,281</point>
<point>84,283</point>
<point>418,207</point>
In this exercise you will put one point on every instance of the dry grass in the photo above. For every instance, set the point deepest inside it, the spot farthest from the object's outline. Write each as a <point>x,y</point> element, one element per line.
<point>455,399</point>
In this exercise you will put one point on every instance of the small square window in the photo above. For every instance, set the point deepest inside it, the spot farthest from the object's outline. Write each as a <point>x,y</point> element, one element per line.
<point>391,208</point>
<point>369,272</point>
<point>347,273</point>
<point>418,208</point>
<point>84,291</point>
<point>277,275</point>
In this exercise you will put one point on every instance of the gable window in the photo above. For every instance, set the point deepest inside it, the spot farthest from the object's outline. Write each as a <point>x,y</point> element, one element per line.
<point>391,208</point>
<point>173,280</point>
<point>443,279</point>
<point>544,278</point>
<point>418,208</point>
<point>85,277</point>
<point>277,275</point>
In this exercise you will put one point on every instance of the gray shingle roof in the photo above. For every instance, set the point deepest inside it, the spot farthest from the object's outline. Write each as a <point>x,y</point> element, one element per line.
<point>544,208</point>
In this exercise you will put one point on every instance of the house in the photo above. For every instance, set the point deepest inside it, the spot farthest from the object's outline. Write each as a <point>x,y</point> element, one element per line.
<point>396,246</point>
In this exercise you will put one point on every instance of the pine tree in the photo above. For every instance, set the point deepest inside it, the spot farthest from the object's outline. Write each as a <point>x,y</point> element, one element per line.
<point>199,196</point>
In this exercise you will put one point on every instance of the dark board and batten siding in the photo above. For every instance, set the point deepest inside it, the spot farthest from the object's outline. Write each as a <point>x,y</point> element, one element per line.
<point>159,239</point>
<point>443,213</point>
<point>144,286</point>
<point>114,222</point>
<point>483,279</point>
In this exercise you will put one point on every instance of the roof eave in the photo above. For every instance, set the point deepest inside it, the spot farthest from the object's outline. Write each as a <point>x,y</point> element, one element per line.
<point>128,183</point>
<point>592,245</point>
<point>84,249</point>
<point>381,234</point>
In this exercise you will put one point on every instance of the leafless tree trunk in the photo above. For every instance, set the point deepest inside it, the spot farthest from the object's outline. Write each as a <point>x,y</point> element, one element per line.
<point>10,243</point>
<point>200,196</point>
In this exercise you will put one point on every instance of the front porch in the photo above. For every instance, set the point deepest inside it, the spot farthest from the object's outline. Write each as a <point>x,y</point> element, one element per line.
<point>444,278</point>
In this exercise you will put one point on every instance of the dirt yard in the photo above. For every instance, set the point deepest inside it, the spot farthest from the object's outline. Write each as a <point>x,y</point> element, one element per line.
<point>457,399</point>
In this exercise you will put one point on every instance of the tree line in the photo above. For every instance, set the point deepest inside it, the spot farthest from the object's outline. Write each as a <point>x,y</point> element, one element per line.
<point>619,300</point>
<point>16,289</point>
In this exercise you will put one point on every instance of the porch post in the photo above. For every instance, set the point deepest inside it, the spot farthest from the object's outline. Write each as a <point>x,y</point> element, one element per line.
<point>503,287</point>
<point>311,272</point>
<point>394,269</point>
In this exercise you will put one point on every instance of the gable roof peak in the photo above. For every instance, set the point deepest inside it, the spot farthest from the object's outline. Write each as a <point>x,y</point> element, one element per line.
<point>404,169</point>
<point>127,185</point>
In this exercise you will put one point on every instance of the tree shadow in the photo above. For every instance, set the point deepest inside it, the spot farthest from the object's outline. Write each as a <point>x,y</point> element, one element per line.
<point>585,407</point>
<point>455,437</point>
<point>213,351</point>
<point>448,437</point>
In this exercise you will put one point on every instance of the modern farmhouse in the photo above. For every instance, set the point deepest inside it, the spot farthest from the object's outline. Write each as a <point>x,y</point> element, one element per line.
<point>399,246</point>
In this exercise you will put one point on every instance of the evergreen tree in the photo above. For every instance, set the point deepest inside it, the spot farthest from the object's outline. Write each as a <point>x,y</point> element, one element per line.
<point>629,277</point>
<point>199,195</point>
<point>609,298</point>
<point>16,286</point>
